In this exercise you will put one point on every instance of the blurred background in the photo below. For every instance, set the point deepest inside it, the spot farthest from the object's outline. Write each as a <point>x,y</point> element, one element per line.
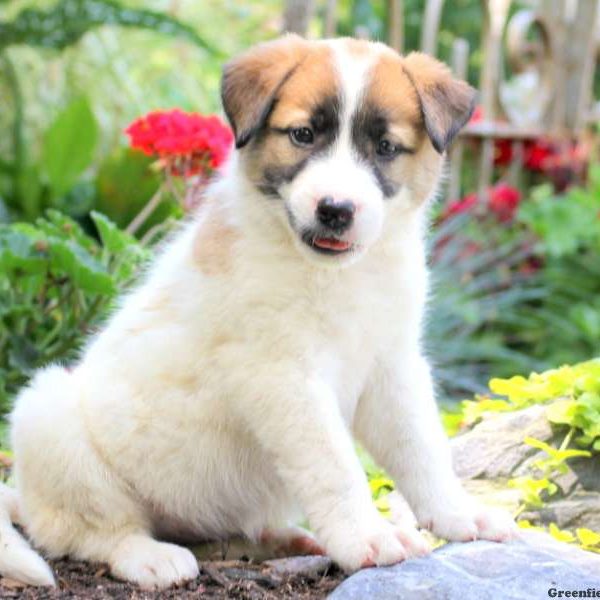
<point>515,240</point>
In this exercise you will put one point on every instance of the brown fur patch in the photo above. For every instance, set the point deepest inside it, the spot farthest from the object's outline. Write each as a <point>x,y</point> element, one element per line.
<point>250,82</point>
<point>424,107</point>
<point>391,93</point>
<point>312,83</point>
<point>447,103</point>
<point>214,244</point>
<point>313,79</point>
<point>391,90</point>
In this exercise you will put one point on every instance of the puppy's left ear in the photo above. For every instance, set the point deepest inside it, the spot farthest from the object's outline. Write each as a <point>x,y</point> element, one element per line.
<point>447,103</point>
<point>250,83</point>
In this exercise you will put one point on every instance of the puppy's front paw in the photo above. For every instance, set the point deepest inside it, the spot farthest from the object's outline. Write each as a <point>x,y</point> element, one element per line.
<point>382,543</point>
<point>152,564</point>
<point>468,523</point>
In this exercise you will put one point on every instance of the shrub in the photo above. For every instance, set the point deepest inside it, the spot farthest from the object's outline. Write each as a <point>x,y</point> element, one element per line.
<point>517,284</point>
<point>56,284</point>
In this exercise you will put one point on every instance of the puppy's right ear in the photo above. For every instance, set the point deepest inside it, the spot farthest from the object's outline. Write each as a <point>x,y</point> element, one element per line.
<point>250,83</point>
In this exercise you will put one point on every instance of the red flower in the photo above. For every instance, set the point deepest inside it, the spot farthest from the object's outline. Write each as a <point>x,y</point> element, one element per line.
<point>503,201</point>
<point>537,154</point>
<point>186,143</point>
<point>460,206</point>
<point>503,152</point>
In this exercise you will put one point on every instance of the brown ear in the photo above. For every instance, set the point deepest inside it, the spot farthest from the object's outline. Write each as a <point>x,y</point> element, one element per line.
<point>250,83</point>
<point>446,103</point>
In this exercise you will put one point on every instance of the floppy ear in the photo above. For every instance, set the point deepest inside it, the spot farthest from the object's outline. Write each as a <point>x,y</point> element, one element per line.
<point>446,103</point>
<point>250,83</point>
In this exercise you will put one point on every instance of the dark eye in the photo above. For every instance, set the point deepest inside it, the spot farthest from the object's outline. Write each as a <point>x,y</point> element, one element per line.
<point>302,136</point>
<point>387,149</point>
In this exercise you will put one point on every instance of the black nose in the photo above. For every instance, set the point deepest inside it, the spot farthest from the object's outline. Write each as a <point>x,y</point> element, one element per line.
<point>335,215</point>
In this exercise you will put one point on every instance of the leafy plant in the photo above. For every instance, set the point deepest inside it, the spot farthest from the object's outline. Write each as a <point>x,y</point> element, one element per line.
<point>60,177</point>
<point>478,292</point>
<point>578,390</point>
<point>572,396</point>
<point>533,488</point>
<point>516,285</point>
<point>56,284</point>
<point>65,23</point>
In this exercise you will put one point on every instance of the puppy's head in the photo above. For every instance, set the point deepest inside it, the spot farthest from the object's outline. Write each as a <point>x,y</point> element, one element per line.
<point>336,132</point>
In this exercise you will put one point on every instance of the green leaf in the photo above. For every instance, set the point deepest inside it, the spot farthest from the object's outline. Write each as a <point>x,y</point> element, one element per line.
<point>560,534</point>
<point>66,22</point>
<point>113,238</point>
<point>561,411</point>
<point>587,537</point>
<point>29,188</point>
<point>88,274</point>
<point>21,251</point>
<point>68,145</point>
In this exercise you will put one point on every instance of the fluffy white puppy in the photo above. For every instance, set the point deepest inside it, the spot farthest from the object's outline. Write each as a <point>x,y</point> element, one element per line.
<point>222,397</point>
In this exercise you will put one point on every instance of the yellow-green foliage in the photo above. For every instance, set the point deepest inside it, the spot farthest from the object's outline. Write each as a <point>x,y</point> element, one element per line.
<point>572,395</point>
<point>574,390</point>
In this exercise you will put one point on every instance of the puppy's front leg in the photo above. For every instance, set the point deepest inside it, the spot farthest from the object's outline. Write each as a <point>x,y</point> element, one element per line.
<point>298,422</point>
<point>398,421</point>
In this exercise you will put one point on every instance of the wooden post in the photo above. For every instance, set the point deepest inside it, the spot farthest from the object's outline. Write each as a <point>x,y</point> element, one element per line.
<point>330,24</point>
<point>297,15</point>
<point>581,62</point>
<point>396,25</point>
<point>495,14</point>
<point>460,65</point>
<point>431,26</point>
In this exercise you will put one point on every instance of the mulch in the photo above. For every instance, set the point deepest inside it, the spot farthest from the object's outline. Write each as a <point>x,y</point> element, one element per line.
<point>232,579</point>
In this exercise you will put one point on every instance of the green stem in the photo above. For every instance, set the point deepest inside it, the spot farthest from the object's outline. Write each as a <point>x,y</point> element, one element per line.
<point>6,166</point>
<point>67,342</point>
<point>148,209</point>
<point>18,123</point>
<point>567,440</point>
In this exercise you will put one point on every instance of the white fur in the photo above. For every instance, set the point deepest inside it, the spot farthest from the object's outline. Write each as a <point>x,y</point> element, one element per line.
<point>214,405</point>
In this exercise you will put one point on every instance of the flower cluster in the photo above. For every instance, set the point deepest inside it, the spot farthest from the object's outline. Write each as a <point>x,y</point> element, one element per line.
<point>502,201</point>
<point>186,144</point>
<point>560,160</point>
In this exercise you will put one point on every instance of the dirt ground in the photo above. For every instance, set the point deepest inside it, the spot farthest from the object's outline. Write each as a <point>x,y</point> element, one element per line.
<point>236,579</point>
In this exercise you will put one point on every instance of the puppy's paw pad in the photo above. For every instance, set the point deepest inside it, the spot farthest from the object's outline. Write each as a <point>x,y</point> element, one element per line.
<point>473,523</point>
<point>291,541</point>
<point>154,565</point>
<point>495,525</point>
<point>382,544</point>
<point>453,526</point>
<point>413,542</point>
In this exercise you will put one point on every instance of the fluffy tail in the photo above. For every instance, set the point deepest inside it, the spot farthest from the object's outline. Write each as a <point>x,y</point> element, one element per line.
<point>17,558</point>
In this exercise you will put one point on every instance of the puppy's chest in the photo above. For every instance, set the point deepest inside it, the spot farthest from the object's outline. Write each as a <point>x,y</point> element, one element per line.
<point>351,333</point>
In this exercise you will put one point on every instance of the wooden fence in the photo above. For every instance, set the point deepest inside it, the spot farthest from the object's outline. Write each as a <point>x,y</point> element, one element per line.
<point>550,46</point>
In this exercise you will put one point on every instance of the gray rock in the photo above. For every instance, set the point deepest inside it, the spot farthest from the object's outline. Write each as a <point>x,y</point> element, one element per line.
<point>493,451</point>
<point>581,509</point>
<point>494,448</point>
<point>517,571</point>
<point>309,566</point>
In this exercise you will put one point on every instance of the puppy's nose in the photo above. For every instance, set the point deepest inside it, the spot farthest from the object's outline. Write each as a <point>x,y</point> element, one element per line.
<point>335,215</point>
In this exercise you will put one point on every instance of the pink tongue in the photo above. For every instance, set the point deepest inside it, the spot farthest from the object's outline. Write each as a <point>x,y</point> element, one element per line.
<point>331,244</point>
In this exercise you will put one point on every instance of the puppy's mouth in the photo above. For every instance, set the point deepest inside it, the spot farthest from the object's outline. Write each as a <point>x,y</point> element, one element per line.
<point>326,244</point>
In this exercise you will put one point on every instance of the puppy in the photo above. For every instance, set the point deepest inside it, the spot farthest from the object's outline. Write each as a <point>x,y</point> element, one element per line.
<point>222,397</point>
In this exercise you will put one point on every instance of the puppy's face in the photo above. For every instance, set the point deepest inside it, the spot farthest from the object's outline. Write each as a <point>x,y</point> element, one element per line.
<point>334,132</point>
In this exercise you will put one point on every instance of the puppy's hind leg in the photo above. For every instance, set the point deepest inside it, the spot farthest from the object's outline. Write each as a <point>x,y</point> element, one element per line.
<point>72,502</point>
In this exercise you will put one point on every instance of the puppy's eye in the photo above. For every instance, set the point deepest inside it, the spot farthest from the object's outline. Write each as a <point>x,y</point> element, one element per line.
<point>387,149</point>
<point>302,136</point>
